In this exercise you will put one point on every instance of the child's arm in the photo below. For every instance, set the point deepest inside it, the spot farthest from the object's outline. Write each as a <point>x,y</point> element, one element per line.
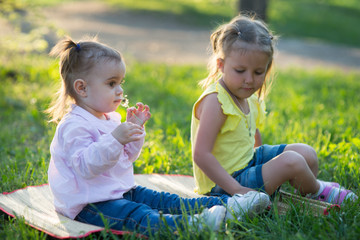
<point>258,141</point>
<point>211,118</point>
<point>132,130</point>
<point>75,143</point>
<point>138,116</point>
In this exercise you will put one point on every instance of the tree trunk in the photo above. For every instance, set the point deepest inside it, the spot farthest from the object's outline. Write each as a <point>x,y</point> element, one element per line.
<point>257,7</point>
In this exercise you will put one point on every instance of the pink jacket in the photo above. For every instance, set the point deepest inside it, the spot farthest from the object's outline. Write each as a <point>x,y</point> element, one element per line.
<point>87,163</point>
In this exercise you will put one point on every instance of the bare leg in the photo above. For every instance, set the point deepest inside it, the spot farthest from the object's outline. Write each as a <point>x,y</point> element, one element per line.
<point>308,153</point>
<point>289,166</point>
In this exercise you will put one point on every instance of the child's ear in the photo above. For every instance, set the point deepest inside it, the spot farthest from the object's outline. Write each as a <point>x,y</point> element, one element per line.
<point>80,87</point>
<point>220,64</point>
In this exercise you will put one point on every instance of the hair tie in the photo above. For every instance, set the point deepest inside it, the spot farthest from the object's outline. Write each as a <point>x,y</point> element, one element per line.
<point>77,47</point>
<point>238,32</point>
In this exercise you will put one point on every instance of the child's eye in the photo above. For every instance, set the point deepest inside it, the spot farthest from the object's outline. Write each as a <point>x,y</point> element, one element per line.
<point>239,71</point>
<point>259,72</point>
<point>112,84</point>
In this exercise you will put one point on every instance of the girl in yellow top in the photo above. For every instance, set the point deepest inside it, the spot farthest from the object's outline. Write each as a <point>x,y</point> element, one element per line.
<point>226,117</point>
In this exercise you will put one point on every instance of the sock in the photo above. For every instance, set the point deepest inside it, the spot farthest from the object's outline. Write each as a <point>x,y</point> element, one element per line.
<point>321,189</point>
<point>331,184</point>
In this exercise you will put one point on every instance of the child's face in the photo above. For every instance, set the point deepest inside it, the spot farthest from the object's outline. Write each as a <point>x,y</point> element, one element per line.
<point>103,90</point>
<point>244,71</point>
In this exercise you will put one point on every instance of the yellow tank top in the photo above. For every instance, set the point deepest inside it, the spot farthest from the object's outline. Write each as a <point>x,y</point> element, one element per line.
<point>233,147</point>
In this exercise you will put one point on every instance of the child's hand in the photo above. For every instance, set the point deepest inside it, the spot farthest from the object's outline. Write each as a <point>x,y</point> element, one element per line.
<point>127,132</point>
<point>138,116</point>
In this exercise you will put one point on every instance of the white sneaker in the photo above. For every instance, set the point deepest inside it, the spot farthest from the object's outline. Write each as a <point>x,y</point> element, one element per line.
<point>251,203</point>
<point>212,217</point>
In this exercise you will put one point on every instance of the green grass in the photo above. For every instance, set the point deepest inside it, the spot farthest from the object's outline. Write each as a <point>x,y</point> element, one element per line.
<point>332,20</point>
<point>317,107</point>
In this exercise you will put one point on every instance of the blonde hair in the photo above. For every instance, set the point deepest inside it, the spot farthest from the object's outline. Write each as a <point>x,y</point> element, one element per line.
<point>76,60</point>
<point>241,29</point>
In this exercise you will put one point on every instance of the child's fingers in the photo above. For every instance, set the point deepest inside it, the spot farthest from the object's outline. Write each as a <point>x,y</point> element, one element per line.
<point>136,132</point>
<point>130,109</point>
<point>147,109</point>
<point>140,106</point>
<point>133,126</point>
<point>129,113</point>
<point>135,138</point>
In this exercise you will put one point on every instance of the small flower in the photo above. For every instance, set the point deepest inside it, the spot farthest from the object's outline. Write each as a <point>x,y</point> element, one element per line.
<point>125,102</point>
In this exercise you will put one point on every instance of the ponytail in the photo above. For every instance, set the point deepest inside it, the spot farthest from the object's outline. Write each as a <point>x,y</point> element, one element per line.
<point>65,50</point>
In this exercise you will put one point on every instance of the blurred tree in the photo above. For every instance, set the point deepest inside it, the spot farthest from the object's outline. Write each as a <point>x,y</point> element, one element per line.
<point>257,7</point>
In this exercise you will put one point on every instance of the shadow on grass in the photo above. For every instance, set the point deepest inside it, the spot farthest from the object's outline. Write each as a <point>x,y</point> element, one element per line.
<point>188,15</point>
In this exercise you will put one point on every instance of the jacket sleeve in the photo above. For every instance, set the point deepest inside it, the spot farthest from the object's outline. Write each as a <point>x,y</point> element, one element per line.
<point>90,154</point>
<point>133,149</point>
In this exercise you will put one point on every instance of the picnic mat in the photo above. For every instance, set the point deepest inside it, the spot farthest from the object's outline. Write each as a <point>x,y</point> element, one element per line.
<point>35,205</point>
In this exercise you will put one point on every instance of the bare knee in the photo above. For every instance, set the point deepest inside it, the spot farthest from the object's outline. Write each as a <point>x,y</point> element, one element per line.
<point>293,163</point>
<point>287,166</point>
<point>307,152</point>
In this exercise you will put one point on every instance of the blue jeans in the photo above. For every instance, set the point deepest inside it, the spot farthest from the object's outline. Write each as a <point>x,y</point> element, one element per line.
<point>251,175</point>
<point>145,210</point>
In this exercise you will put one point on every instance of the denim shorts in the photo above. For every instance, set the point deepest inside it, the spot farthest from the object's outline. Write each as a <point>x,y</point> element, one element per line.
<point>251,175</point>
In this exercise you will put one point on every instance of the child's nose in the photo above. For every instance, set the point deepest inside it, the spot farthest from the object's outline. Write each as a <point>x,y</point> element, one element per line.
<point>249,78</point>
<point>119,90</point>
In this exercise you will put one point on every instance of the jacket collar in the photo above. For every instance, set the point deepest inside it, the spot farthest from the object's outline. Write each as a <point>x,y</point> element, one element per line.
<point>103,125</point>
